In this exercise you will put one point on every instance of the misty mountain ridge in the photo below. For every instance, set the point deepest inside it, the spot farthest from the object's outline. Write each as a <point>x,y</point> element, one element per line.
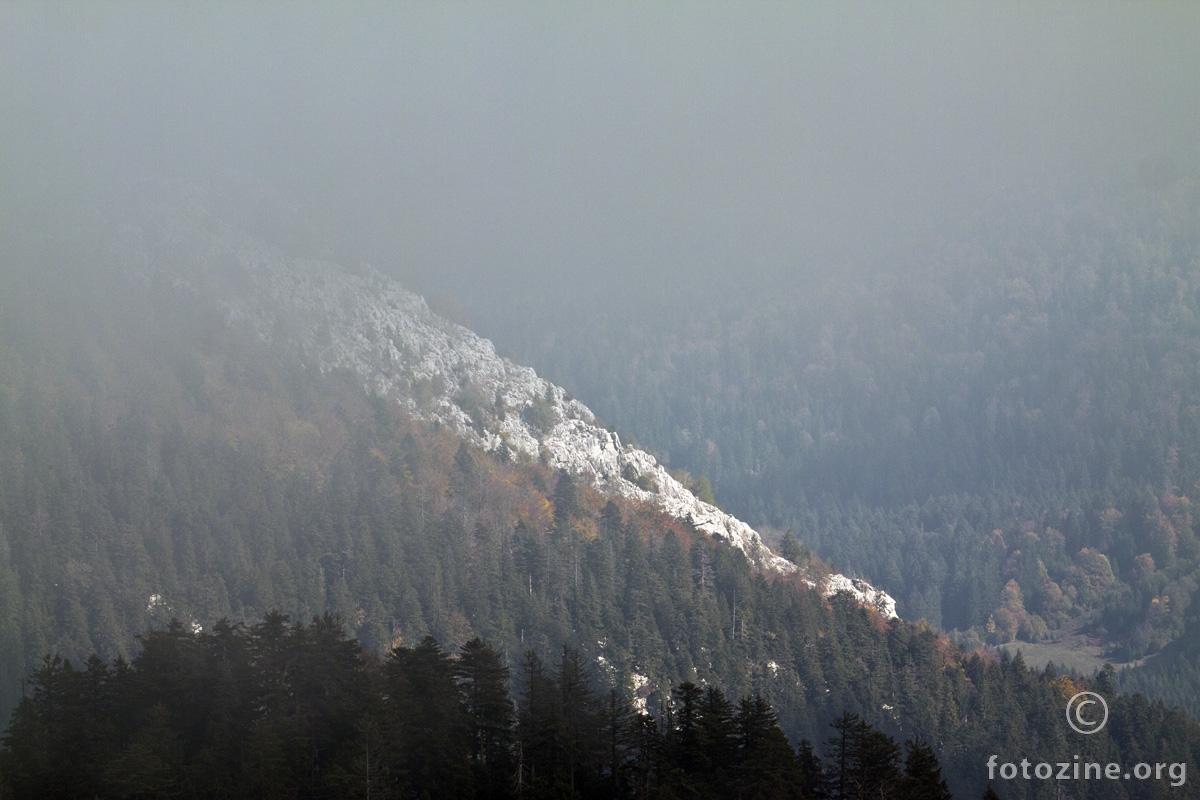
<point>183,419</point>
<point>362,321</point>
<point>919,287</point>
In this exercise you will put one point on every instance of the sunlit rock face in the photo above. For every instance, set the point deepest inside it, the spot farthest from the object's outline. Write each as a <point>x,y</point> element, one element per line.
<point>362,321</point>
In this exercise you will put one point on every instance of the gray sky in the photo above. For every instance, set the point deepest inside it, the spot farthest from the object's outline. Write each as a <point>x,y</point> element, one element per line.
<point>472,149</point>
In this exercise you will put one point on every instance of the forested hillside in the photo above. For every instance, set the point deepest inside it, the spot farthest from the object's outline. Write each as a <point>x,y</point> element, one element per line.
<point>160,462</point>
<point>274,709</point>
<point>279,710</point>
<point>1002,431</point>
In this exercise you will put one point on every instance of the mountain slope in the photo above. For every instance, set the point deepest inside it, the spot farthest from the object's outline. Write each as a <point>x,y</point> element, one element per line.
<point>1001,408</point>
<point>364,322</point>
<point>160,458</point>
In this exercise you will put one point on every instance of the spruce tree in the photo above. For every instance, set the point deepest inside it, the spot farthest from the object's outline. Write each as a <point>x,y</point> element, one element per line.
<point>922,774</point>
<point>539,729</point>
<point>617,719</point>
<point>841,750</point>
<point>683,736</point>
<point>648,756</point>
<point>812,774</point>
<point>863,761</point>
<point>717,739</point>
<point>876,768</point>
<point>426,724</point>
<point>566,500</point>
<point>579,715</point>
<point>767,767</point>
<point>490,717</point>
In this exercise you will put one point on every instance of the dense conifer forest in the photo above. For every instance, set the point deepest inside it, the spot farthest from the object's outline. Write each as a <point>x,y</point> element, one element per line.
<point>1001,431</point>
<point>274,709</point>
<point>160,464</point>
<point>279,710</point>
<point>906,293</point>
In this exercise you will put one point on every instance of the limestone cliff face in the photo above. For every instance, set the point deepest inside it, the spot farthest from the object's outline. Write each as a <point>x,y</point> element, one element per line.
<point>362,321</point>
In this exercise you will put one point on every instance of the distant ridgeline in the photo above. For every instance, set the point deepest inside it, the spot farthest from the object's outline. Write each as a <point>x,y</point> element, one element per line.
<point>161,459</point>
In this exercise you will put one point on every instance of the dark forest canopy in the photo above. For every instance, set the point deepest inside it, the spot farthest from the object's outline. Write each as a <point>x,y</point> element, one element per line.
<point>280,710</point>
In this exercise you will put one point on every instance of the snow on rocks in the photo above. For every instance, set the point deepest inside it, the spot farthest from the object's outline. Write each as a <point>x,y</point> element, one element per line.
<point>864,592</point>
<point>361,320</point>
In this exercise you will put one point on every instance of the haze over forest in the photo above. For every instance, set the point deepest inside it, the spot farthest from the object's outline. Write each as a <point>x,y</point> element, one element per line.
<point>912,289</point>
<point>520,153</point>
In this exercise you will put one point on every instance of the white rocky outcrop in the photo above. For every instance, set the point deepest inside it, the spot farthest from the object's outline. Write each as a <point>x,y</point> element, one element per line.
<point>363,321</point>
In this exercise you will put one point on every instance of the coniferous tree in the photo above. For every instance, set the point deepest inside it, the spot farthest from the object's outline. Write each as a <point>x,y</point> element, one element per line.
<point>841,754</point>
<point>876,767</point>
<point>812,774</point>
<point>617,721</point>
<point>490,717</point>
<point>578,712</point>
<point>648,756</point>
<point>717,740</point>
<point>43,755</point>
<point>539,724</point>
<point>863,760</point>
<point>427,727</point>
<point>767,767</point>
<point>683,741</point>
<point>922,774</point>
<point>566,500</point>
